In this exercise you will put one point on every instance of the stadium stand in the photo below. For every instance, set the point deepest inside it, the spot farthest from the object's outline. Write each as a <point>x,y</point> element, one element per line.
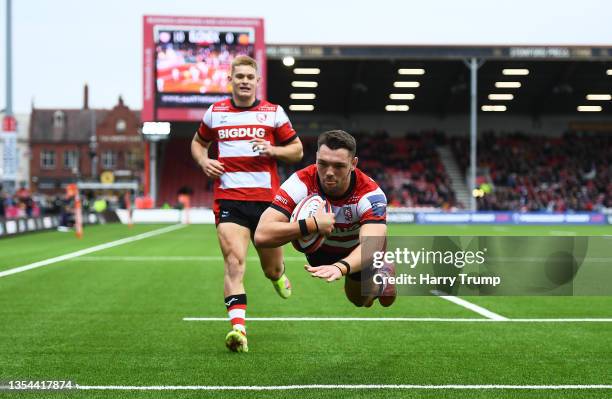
<point>535,173</point>
<point>525,172</point>
<point>180,173</point>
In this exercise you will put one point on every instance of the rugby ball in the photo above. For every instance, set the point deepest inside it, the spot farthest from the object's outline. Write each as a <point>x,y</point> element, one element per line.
<point>306,208</point>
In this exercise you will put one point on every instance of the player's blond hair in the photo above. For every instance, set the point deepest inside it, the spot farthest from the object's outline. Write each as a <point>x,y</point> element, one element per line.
<point>244,60</point>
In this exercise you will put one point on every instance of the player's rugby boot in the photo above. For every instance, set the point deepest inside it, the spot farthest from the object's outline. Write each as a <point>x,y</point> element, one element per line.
<point>236,341</point>
<point>283,286</point>
<point>388,293</point>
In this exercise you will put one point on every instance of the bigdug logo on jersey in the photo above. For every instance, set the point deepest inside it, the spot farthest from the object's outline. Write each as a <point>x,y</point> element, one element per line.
<point>242,132</point>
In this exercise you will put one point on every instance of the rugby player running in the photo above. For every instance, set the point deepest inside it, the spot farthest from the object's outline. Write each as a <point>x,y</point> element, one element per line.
<point>251,135</point>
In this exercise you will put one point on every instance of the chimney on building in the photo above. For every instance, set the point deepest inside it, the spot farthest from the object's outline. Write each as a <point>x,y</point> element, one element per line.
<point>86,97</point>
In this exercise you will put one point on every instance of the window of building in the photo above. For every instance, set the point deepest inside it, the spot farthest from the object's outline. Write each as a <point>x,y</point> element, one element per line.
<point>132,159</point>
<point>109,160</point>
<point>47,159</point>
<point>71,159</point>
<point>59,119</point>
<point>120,126</point>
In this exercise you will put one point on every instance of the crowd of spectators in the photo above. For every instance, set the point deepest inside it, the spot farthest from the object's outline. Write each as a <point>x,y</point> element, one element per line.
<point>19,205</point>
<point>24,204</point>
<point>408,169</point>
<point>535,173</point>
<point>524,172</point>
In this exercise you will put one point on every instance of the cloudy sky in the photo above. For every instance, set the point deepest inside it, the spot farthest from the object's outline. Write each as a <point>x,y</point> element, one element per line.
<point>58,45</point>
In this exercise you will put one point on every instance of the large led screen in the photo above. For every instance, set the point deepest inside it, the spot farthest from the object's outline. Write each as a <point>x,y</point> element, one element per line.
<point>187,61</point>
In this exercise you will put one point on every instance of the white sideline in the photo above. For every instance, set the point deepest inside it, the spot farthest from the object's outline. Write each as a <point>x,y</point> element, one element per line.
<point>336,319</point>
<point>89,250</point>
<point>412,319</point>
<point>171,258</point>
<point>289,258</point>
<point>471,306</point>
<point>318,386</point>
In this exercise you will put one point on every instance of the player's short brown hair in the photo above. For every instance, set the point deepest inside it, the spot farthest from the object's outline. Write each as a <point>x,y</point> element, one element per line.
<point>335,139</point>
<point>244,60</point>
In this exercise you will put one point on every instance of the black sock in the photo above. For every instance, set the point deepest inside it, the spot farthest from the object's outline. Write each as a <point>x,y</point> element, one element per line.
<point>232,300</point>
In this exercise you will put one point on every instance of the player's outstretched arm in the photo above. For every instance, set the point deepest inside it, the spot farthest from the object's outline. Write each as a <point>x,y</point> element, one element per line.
<point>274,229</point>
<point>292,152</point>
<point>199,151</point>
<point>372,238</point>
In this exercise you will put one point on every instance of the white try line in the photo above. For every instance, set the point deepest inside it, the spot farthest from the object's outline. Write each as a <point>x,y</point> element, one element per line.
<point>90,250</point>
<point>172,258</point>
<point>329,387</point>
<point>562,233</point>
<point>290,258</point>
<point>469,305</point>
<point>409,319</point>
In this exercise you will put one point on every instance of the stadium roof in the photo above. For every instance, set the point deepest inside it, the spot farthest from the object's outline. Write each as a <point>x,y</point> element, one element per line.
<point>356,79</point>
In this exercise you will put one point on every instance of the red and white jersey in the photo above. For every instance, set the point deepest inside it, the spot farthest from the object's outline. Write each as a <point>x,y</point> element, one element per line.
<point>363,203</point>
<point>248,176</point>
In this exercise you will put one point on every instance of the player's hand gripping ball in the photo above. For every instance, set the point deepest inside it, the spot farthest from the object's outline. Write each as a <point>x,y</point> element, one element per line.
<point>306,208</point>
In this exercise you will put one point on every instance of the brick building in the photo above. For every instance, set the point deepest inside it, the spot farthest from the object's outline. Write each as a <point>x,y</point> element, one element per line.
<point>69,145</point>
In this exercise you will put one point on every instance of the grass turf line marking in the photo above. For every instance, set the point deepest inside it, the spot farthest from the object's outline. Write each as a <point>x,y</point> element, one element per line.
<point>89,250</point>
<point>562,233</point>
<point>336,319</point>
<point>290,258</point>
<point>320,386</point>
<point>469,305</point>
<point>410,319</point>
<point>171,258</point>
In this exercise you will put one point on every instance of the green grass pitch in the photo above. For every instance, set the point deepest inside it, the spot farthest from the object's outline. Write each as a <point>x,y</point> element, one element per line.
<point>115,318</point>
